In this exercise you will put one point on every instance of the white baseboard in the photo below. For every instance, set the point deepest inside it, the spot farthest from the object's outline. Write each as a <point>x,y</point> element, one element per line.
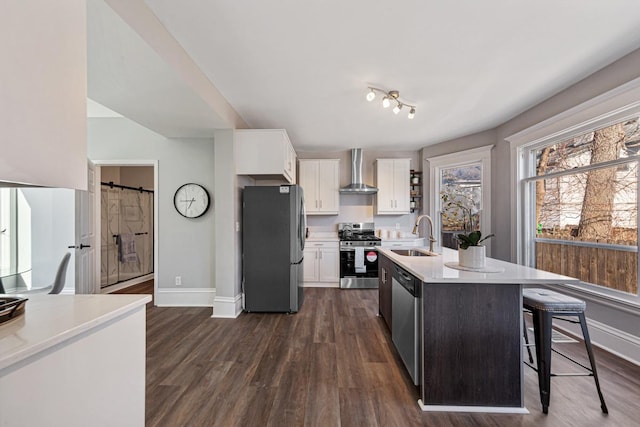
<point>485,409</point>
<point>615,341</point>
<point>185,297</point>
<point>321,284</point>
<point>227,307</point>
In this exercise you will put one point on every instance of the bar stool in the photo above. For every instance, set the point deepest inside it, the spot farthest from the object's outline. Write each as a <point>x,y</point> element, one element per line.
<point>544,305</point>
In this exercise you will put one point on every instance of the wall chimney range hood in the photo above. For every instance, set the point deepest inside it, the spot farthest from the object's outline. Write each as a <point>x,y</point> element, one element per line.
<point>357,186</point>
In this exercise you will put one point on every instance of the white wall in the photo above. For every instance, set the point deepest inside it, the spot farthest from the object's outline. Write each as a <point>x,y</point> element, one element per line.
<point>185,246</point>
<point>43,81</point>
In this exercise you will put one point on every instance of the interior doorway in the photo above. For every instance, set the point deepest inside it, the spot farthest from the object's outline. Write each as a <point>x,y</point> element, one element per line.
<point>126,219</point>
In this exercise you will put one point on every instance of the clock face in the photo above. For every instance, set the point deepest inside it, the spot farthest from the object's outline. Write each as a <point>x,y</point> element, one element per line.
<point>191,200</point>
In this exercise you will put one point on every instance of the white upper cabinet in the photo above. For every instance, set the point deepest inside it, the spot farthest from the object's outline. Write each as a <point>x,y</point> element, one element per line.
<point>265,154</point>
<point>319,178</point>
<point>43,95</point>
<point>392,180</point>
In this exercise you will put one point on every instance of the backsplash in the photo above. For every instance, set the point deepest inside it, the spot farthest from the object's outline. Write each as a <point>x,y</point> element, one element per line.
<point>359,208</point>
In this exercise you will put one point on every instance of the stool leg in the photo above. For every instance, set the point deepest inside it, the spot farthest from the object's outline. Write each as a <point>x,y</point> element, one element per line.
<point>526,339</point>
<point>592,360</point>
<point>542,332</point>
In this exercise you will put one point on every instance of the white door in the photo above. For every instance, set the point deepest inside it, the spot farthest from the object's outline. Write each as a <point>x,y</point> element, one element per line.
<point>328,186</point>
<point>384,182</point>
<point>85,238</point>
<point>328,270</point>
<point>401,189</point>
<point>309,182</point>
<point>310,265</point>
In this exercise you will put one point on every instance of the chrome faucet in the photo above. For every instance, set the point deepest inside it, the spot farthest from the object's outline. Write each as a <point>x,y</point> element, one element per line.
<point>415,230</point>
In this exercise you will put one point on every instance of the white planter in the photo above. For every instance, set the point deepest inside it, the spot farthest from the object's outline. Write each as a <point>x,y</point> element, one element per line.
<point>472,257</point>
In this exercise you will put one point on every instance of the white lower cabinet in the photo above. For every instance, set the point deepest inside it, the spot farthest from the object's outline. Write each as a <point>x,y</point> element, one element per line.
<point>321,264</point>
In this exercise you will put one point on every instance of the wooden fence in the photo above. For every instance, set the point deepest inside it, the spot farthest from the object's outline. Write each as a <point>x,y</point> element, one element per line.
<point>612,268</point>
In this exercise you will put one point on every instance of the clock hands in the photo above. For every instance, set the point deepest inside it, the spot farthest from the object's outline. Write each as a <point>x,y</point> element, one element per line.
<point>193,199</point>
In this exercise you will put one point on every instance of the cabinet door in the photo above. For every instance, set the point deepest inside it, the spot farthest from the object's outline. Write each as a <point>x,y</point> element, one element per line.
<point>401,185</point>
<point>328,186</point>
<point>308,180</point>
<point>329,267</point>
<point>290,166</point>
<point>310,265</point>
<point>384,288</point>
<point>384,181</point>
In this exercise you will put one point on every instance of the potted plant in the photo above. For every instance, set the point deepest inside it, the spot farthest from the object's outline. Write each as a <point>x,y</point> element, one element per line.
<point>461,208</point>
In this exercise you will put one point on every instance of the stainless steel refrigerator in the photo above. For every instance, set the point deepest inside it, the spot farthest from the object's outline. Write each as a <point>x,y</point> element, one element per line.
<point>273,237</point>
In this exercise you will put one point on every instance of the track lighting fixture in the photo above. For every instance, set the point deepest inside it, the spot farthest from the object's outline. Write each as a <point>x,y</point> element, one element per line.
<point>392,95</point>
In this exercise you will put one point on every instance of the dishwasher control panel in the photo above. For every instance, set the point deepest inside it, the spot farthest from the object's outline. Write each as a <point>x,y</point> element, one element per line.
<point>407,280</point>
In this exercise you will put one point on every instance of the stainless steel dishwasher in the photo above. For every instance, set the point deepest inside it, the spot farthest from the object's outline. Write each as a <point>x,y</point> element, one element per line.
<point>405,314</point>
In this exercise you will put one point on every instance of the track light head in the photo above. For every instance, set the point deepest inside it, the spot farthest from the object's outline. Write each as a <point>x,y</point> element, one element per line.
<point>397,108</point>
<point>371,95</point>
<point>412,113</point>
<point>386,102</point>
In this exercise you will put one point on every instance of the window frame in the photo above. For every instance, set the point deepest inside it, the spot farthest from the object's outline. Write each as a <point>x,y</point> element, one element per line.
<point>472,156</point>
<point>612,107</point>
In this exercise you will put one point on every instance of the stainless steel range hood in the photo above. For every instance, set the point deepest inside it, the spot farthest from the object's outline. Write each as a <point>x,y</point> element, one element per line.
<point>357,186</point>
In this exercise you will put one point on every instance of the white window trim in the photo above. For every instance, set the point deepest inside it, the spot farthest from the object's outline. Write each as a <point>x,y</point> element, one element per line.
<point>608,108</point>
<point>480,155</point>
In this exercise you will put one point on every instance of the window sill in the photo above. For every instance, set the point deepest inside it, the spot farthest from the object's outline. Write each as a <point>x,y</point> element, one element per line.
<point>610,298</point>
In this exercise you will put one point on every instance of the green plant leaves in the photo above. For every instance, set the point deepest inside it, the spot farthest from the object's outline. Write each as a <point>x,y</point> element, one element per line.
<point>473,238</point>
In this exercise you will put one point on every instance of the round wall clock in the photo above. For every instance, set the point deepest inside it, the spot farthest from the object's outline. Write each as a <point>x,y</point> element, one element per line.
<point>191,200</point>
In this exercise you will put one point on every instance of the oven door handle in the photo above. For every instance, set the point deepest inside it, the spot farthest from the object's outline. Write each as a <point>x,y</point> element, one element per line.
<point>352,249</point>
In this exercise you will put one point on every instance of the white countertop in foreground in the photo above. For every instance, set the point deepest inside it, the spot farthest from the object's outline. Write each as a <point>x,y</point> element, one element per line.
<point>432,269</point>
<point>51,319</point>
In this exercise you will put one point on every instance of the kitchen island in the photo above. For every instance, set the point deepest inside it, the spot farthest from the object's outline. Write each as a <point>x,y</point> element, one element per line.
<point>468,328</point>
<point>74,360</point>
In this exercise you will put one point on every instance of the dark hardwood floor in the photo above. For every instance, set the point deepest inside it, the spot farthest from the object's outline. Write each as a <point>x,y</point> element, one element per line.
<point>140,288</point>
<point>333,364</point>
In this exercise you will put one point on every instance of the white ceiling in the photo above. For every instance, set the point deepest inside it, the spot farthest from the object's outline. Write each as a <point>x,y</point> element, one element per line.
<point>467,65</point>
<point>127,76</point>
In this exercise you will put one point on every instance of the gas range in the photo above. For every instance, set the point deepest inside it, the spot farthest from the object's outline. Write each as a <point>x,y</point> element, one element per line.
<point>358,255</point>
<point>357,234</point>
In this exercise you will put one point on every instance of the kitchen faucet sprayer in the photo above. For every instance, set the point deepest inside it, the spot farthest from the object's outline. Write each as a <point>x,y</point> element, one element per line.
<point>415,230</point>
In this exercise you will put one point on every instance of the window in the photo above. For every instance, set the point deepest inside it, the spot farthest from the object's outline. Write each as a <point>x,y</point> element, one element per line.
<point>580,206</point>
<point>460,192</point>
<point>15,238</point>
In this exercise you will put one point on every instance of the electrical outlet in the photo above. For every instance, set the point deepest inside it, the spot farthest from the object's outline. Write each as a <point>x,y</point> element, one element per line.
<point>178,280</point>
<point>237,225</point>
<point>397,226</point>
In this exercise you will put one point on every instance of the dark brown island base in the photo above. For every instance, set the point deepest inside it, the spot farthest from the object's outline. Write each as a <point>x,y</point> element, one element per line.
<point>458,332</point>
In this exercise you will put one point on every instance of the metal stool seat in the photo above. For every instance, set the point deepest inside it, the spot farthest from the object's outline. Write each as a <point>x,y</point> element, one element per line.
<point>544,305</point>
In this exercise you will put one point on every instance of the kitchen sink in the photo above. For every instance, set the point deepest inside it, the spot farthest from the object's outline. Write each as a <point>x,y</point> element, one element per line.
<point>413,252</point>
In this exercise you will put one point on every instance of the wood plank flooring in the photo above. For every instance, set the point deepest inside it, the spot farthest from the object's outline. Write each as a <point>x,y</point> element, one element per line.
<point>333,364</point>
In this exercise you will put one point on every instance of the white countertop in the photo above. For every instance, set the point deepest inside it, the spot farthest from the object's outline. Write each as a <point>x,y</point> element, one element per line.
<point>432,269</point>
<point>52,319</point>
